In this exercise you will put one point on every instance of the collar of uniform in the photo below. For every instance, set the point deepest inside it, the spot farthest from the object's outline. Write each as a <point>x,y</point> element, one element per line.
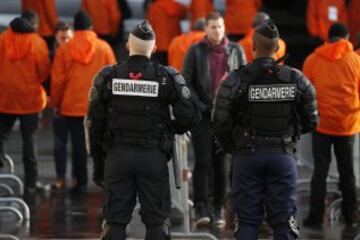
<point>264,60</point>
<point>138,58</point>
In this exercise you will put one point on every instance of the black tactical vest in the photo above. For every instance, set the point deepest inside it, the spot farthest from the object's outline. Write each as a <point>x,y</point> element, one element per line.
<point>138,110</point>
<point>269,102</point>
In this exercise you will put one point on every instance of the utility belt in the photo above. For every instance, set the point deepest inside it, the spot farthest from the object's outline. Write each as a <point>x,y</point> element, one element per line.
<point>164,141</point>
<point>248,142</point>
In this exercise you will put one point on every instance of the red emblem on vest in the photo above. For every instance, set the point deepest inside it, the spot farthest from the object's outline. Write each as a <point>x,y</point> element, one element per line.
<point>136,76</point>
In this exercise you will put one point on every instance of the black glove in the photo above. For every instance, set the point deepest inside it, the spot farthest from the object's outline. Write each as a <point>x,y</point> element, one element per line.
<point>99,182</point>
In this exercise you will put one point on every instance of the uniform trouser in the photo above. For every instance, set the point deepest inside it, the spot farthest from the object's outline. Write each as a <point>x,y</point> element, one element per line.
<point>209,176</point>
<point>269,181</point>
<point>132,172</point>
<point>61,132</point>
<point>343,148</point>
<point>28,126</point>
<point>79,156</point>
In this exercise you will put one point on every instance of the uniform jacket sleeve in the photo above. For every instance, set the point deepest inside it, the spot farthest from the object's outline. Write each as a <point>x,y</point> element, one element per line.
<point>307,103</point>
<point>95,121</point>
<point>223,112</point>
<point>185,110</point>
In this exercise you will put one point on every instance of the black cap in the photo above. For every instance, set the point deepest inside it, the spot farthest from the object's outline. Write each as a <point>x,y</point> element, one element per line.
<point>144,31</point>
<point>82,21</point>
<point>31,16</point>
<point>338,30</point>
<point>21,25</point>
<point>268,29</point>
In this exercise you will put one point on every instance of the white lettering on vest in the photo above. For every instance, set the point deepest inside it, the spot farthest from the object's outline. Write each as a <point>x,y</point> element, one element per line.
<point>139,88</point>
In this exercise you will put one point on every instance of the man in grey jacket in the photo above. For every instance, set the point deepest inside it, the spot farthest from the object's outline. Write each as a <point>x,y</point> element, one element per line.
<point>205,65</point>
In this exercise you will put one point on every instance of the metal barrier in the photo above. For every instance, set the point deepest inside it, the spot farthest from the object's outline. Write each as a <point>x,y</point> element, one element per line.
<point>13,200</point>
<point>14,178</point>
<point>21,203</point>
<point>335,210</point>
<point>8,236</point>
<point>7,189</point>
<point>180,197</point>
<point>15,211</point>
<point>10,163</point>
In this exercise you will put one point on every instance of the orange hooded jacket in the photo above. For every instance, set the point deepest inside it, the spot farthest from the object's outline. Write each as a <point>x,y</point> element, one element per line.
<point>200,9</point>
<point>105,15</point>
<point>24,65</point>
<point>247,44</point>
<point>321,14</point>
<point>239,15</point>
<point>165,16</point>
<point>354,19</point>
<point>179,47</point>
<point>46,10</point>
<point>75,65</point>
<point>334,69</point>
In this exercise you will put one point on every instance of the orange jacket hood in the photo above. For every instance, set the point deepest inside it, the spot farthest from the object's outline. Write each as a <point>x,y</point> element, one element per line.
<point>83,46</point>
<point>334,50</point>
<point>18,45</point>
<point>190,38</point>
<point>170,7</point>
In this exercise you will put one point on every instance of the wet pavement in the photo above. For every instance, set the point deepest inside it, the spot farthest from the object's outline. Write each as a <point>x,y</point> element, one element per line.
<point>62,215</point>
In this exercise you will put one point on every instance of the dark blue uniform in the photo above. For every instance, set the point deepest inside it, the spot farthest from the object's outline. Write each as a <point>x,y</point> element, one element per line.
<point>260,111</point>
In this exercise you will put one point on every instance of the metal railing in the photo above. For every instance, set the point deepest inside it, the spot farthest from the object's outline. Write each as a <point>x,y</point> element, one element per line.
<point>180,197</point>
<point>10,203</point>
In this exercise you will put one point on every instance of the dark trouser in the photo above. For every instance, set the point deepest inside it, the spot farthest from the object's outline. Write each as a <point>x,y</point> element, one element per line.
<point>343,148</point>
<point>132,172</point>
<point>264,180</point>
<point>209,176</point>
<point>28,125</point>
<point>79,157</point>
<point>61,132</point>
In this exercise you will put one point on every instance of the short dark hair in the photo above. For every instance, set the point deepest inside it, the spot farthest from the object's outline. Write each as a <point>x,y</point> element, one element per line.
<point>212,16</point>
<point>338,30</point>
<point>31,16</point>
<point>62,26</point>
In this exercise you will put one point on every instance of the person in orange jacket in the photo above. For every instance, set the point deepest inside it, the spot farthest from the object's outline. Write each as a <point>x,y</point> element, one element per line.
<point>181,44</point>
<point>75,65</point>
<point>239,15</point>
<point>321,14</point>
<point>354,19</point>
<point>247,41</point>
<point>334,70</point>
<point>46,10</point>
<point>105,16</point>
<point>165,16</point>
<point>24,65</point>
<point>200,9</point>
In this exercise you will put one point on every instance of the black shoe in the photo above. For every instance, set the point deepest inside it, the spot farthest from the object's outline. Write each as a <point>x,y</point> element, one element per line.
<point>78,189</point>
<point>217,218</point>
<point>38,187</point>
<point>313,221</point>
<point>202,217</point>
